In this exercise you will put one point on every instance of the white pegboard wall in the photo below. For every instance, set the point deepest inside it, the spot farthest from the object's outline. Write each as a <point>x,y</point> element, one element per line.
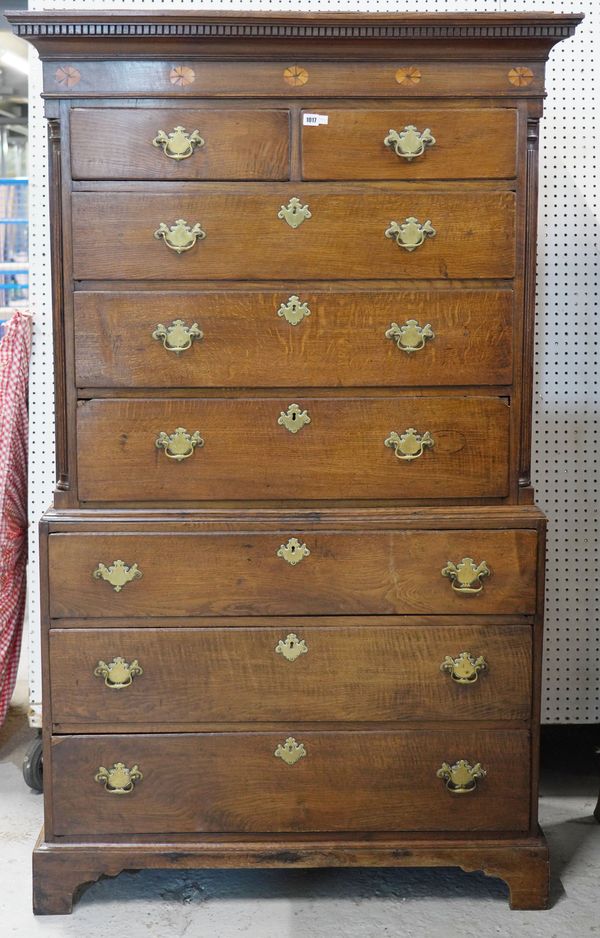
<point>566,444</point>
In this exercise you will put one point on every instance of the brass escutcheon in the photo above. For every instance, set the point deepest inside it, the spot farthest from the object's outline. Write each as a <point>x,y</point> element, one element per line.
<point>410,142</point>
<point>466,576</point>
<point>180,444</point>
<point>461,777</point>
<point>291,647</point>
<point>118,574</point>
<point>118,780</point>
<point>294,419</point>
<point>294,213</point>
<point>293,552</point>
<point>410,234</point>
<point>465,668</point>
<point>290,751</point>
<point>410,444</point>
<point>410,336</point>
<point>118,673</point>
<point>178,144</point>
<point>180,236</point>
<point>177,337</point>
<point>294,310</point>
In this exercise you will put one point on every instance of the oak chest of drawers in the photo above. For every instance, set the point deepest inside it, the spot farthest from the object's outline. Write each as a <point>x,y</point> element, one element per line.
<point>293,576</point>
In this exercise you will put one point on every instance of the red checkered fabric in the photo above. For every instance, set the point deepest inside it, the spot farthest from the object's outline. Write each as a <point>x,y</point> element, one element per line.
<point>14,376</point>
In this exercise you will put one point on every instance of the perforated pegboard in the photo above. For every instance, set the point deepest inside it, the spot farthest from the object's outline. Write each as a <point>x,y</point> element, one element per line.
<point>566,435</point>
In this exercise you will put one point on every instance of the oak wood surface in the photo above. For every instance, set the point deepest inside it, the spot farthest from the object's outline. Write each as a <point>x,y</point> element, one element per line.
<point>111,143</point>
<point>247,344</point>
<point>470,74</point>
<point>245,239</point>
<point>350,672</point>
<point>385,780</point>
<point>469,144</point>
<point>388,572</point>
<point>61,869</point>
<point>247,454</point>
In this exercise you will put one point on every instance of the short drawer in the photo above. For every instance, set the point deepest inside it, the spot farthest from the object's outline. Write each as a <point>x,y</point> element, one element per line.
<point>291,572</point>
<point>179,143</point>
<point>143,450</point>
<point>340,781</point>
<point>283,339</point>
<point>334,669</point>
<point>247,236</point>
<point>477,143</point>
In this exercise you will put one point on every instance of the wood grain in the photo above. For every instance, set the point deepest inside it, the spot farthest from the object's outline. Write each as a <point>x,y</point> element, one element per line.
<point>233,782</point>
<point>354,670</point>
<point>248,455</point>
<point>61,868</point>
<point>116,143</point>
<point>246,343</point>
<point>246,240</point>
<point>469,144</point>
<point>375,573</point>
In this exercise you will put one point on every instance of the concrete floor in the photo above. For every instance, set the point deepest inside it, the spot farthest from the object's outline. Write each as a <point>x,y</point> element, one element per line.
<point>316,903</point>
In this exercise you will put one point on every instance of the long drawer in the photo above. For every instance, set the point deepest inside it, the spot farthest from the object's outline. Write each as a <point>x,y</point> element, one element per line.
<point>292,573</point>
<point>345,236</point>
<point>144,143</point>
<point>443,144</point>
<point>294,338</point>
<point>293,448</point>
<point>235,782</point>
<point>342,669</point>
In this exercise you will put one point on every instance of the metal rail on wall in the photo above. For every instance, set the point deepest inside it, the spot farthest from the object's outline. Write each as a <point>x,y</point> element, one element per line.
<point>566,433</point>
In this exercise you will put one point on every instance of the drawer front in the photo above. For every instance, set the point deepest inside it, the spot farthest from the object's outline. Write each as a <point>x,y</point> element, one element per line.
<point>448,144</point>
<point>245,238</point>
<point>246,450</point>
<point>232,574</point>
<point>118,143</point>
<point>345,669</point>
<point>269,339</point>
<point>234,782</point>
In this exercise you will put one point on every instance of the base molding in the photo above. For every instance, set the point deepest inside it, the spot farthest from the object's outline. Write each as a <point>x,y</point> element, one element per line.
<point>61,870</point>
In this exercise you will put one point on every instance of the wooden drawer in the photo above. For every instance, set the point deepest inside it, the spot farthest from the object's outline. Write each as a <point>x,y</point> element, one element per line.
<point>477,143</point>
<point>357,669</point>
<point>346,781</point>
<point>339,340</point>
<point>117,143</point>
<point>381,572</point>
<point>247,454</point>
<point>245,238</point>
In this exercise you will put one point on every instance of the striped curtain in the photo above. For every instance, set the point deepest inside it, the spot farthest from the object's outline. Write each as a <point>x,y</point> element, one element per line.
<point>15,349</point>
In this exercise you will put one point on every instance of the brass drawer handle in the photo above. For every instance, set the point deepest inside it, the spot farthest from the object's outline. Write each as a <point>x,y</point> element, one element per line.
<point>410,444</point>
<point>180,236</point>
<point>410,142</point>
<point>294,310</point>
<point>293,552</point>
<point>294,213</point>
<point>290,751</point>
<point>466,576</point>
<point>294,418</point>
<point>410,336</point>
<point>118,673</point>
<point>180,444</point>
<point>118,574</point>
<point>179,143</point>
<point>410,234</point>
<point>464,669</point>
<point>177,337</point>
<point>461,777</point>
<point>118,780</point>
<point>291,647</point>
